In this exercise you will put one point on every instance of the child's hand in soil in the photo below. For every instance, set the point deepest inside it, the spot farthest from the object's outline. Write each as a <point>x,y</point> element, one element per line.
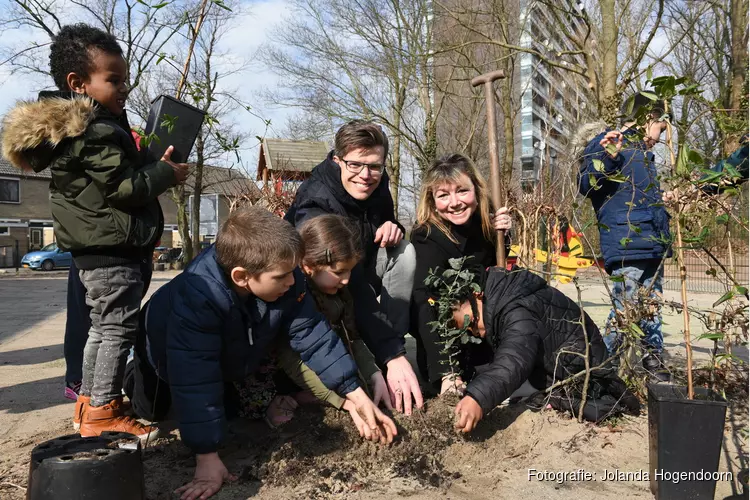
<point>210,474</point>
<point>380,390</point>
<point>452,384</point>
<point>377,425</point>
<point>468,414</point>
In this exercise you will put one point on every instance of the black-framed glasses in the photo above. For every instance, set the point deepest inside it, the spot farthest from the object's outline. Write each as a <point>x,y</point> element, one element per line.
<point>356,167</point>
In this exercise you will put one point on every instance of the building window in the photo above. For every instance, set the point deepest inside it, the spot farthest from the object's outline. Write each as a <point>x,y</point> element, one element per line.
<point>10,190</point>
<point>4,231</point>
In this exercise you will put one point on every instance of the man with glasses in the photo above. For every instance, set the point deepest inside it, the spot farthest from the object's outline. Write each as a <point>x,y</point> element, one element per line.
<point>352,181</point>
<point>618,175</point>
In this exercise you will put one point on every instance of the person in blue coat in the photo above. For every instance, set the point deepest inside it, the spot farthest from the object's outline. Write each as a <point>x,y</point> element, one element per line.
<point>617,173</point>
<point>215,323</point>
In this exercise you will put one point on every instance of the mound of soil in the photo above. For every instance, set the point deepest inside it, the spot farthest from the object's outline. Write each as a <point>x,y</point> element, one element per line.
<point>320,454</point>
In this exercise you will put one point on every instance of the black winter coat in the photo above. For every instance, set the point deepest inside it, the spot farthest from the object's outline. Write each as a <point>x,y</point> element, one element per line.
<point>201,334</point>
<point>528,323</point>
<point>434,249</point>
<point>322,194</point>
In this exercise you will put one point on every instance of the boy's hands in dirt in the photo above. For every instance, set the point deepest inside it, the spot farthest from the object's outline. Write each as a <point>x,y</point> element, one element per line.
<point>380,390</point>
<point>468,414</point>
<point>377,425</point>
<point>402,383</point>
<point>181,170</point>
<point>210,474</point>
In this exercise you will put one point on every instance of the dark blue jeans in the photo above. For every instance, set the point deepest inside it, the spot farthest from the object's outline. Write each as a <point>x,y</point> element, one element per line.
<point>78,321</point>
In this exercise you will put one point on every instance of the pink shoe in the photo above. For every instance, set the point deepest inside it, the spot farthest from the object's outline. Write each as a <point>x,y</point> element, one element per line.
<point>280,411</point>
<point>71,390</point>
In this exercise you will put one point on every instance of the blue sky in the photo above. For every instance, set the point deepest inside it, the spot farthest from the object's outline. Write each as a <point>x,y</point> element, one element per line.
<point>248,31</point>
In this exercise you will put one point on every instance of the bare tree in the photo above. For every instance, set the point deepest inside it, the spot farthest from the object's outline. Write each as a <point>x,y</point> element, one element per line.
<point>345,59</point>
<point>144,30</point>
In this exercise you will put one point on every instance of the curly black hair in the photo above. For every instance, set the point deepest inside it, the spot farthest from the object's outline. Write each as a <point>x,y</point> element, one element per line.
<point>71,51</point>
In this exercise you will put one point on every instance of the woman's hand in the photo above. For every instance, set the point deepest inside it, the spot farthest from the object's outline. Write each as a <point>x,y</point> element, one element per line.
<point>380,390</point>
<point>502,220</point>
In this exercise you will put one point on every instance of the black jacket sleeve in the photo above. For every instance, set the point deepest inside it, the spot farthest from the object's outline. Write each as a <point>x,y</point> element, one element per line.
<point>377,332</point>
<point>515,356</point>
<point>430,255</point>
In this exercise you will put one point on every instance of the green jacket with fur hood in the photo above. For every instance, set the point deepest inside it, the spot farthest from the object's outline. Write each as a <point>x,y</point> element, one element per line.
<point>103,198</point>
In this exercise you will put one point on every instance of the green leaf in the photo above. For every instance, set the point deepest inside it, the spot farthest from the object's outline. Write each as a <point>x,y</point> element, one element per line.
<point>221,4</point>
<point>617,279</point>
<point>636,329</point>
<point>650,95</point>
<point>592,180</point>
<point>724,298</point>
<point>602,226</point>
<point>598,165</point>
<point>625,241</point>
<point>635,229</point>
<point>649,73</point>
<point>160,5</point>
<point>722,219</point>
<point>611,149</point>
<point>619,177</point>
<point>711,336</point>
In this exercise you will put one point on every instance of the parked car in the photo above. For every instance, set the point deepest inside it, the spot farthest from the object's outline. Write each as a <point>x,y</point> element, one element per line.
<point>48,258</point>
<point>167,255</point>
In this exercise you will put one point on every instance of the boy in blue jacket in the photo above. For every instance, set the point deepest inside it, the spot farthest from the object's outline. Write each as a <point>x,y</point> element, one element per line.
<point>215,322</point>
<point>618,175</point>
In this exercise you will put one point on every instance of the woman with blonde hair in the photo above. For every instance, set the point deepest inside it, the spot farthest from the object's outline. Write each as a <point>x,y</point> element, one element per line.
<point>455,218</point>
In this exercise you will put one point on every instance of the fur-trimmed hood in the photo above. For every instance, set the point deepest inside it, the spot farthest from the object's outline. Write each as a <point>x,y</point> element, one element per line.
<point>584,134</point>
<point>33,129</point>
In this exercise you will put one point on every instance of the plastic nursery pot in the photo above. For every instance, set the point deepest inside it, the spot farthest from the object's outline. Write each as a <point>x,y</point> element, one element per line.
<point>105,467</point>
<point>685,439</point>
<point>175,123</point>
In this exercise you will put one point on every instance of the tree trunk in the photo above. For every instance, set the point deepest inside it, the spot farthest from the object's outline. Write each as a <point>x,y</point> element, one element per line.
<point>195,214</point>
<point>506,172</point>
<point>177,194</point>
<point>609,104</point>
<point>395,173</point>
<point>739,66</point>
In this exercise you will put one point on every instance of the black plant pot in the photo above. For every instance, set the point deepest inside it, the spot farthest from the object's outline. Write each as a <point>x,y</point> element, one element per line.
<point>186,123</point>
<point>685,439</point>
<point>106,467</point>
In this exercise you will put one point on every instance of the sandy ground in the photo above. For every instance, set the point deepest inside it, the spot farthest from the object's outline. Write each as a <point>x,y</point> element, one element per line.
<point>494,464</point>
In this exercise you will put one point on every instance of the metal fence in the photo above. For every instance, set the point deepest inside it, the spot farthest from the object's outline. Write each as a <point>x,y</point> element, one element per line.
<point>705,275</point>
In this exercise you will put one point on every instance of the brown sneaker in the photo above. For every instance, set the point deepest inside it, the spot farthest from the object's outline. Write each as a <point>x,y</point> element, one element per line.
<point>81,403</point>
<point>111,417</point>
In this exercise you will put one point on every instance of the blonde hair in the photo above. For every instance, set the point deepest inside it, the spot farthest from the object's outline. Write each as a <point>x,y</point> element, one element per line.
<point>448,170</point>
